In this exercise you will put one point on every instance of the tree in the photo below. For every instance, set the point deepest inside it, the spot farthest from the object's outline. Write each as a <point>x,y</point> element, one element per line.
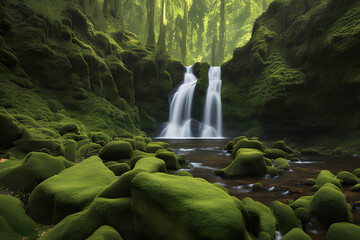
<point>222,32</point>
<point>161,44</point>
<point>151,22</point>
<point>184,29</point>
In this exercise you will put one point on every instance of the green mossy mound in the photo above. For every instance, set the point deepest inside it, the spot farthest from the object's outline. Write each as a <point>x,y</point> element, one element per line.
<point>281,163</point>
<point>347,178</point>
<point>102,211</point>
<point>10,130</point>
<point>35,168</point>
<point>70,191</point>
<point>355,188</point>
<point>170,159</point>
<point>15,224</point>
<point>324,177</point>
<point>329,206</point>
<point>275,153</point>
<point>357,172</point>
<point>105,233</point>
<point>272,171</point>
<point>259,218</point>
<point>301,202</point>
<point>303,215</point>
<point>183,173</point>
<point>296,234</point>
<point>282,146</point>
<point>257,187</point>
<point>340,231</point>
<point>151,164</point>
<point>245,143</point>
<point>153,147</point>
<point>249,162</point>
<point>69,149</point>
<point>191,200</point>
<point>118,168</point>
<point>285,217</point>
<point>309,182</point>
<point>116,150</point>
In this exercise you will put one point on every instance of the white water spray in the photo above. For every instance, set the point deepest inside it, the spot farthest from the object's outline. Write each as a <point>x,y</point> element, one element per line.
<point>179,125</point>
<point>212,119</point>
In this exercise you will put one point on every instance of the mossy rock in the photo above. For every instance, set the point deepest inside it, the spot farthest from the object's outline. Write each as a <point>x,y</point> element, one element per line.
<point>69,128</point>
<point>10,130</point>
<point>310,152</point>
<point>357,172</point>
<point>99,137</point>
<point>15,224</point>
<point>282,146</point>
<point>296,234</point>
<point>309,182</point>
<point>221,187</point>
<point>140,144</point>
<point>261,219</point>
<point>102,211</point>
<point>272,171</point>
<point>302,214</point>
<point>116,150</point>
<point>182,160</point>
<point>35,168</point>
<point>153,147</point>
<point>343,230</point>
<point>347,178</point>
<point>355,188</point>
<point>281,163</point>
<point>257,187</point>
<point>192,200</point>
<point>70,150</point>
<point>268,162</point>
<point>170,159</point>
<point>275,153</point>
<point>324,177</point>
<point>301,202</point>
<point>229,146</point>
<point>285,216</point>
<point>244,143</point>
<point>183,173</point>
<point>151,164</point>
<point>70,191</point>
<point>249,162</point>
<point>105,233</point>
<point>329,206</point>
<point>119,168</point>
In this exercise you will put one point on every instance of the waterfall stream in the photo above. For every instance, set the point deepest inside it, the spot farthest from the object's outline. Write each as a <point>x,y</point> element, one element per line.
<point>180,122</point>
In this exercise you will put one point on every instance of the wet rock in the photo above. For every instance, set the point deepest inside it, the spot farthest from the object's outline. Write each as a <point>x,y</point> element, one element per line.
<point>347,178</point>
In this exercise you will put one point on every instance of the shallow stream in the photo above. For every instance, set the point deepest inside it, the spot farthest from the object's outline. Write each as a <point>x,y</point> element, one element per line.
<point>205,156</point>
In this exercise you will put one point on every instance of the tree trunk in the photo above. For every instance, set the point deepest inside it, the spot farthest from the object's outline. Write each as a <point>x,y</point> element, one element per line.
<point>222,32</point>
<point>213,51</point>
<point>184,27</point>
<point>162,35</point>
<point>105,7</point>
<point>151,20</point>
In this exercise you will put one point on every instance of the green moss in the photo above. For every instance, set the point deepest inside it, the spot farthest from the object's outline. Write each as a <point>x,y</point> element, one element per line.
<point>118,168</point>
<point>151,164</point>
<point>275,153</point>
<point>355,188</point>
<point>70,150</point>
<point>329,206</point>
<point>343,230</point>
<point>244,143</point>
<point>116,150</point>
<point>281,163</point>
<point>301,202</point>
<point>69,191</point>
<point>190,199</point>
<point>302,214</point>
<point>347,178</point>
<point>310,152</point>
<point>310,182</point>
<point>170,159</point>
<point>183,173</point>
<point>105,233</point>
<point>249,162</point>
<point>13,213</point>
<point>10,130</point>
<point>357,172</point>
<point>282,146</point>
<point>272,171</point>
<point>153,147</point>
<point>268,162</point>
<point>296,234</point>
<point>99,137</point>
<point>35,168</point>
<point>324,177</point>
<point>257,187</point>
<point>285,217</point>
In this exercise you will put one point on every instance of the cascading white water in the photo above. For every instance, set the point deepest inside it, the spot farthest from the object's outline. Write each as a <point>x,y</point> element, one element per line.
<point>212,118</point>
<point>179,125</point>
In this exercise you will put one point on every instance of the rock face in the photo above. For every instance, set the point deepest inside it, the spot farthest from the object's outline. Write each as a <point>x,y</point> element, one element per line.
<point>192,208</point>
<point>294,77</point>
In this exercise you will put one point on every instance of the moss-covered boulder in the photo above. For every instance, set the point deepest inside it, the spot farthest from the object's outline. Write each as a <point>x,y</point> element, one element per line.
<point>302,214</point>
<point>309,182</point>
<point>249,162</point>
<point>183,173</point>
<point>281,163</point>
<point>70,191</point>
<point>301,202</point>
<point>35,168</point>
<point>357,172</point>
<point>347,178</point>
<point>170,159</point>
<point>245,143</point>
<point>70,150</point>
<point>259,219</point>
<point>275,153</point>
<point>343,230</point>
<point>69,128</point>
<point>285,217</point>
<point>153,147</point>
<point>151,164</point>
<point>355,188</point>
<point>105,233</point>
<point>329,206</point>
<point>272,171</point>
<point>14,223</point>
<point>282,146</point>
<point>10,130</point>
<point>192,207</point>
<point>116,150</point>
<point>324,177</point>
<point>118,168</point>
<point>257,187</point>
<point>296,234</point>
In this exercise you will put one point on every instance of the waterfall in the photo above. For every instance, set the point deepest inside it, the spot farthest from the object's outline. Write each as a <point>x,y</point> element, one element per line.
<point>212,118</point>
<point>180,122</point>
<point>179,125</point>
